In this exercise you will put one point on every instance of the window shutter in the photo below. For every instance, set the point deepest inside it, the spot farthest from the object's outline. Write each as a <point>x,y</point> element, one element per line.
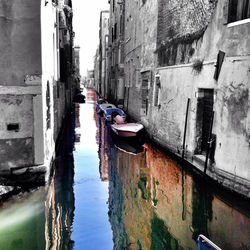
<point>226,12</point>
<point>220,59</point>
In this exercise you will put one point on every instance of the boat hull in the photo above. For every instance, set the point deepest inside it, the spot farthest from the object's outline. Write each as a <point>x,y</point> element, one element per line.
<point>127,130</point>
<point>124,133</point>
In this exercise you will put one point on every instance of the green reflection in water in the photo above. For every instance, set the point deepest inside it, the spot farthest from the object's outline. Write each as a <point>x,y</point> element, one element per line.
<point>139,245</point>
<point>142,185</point>
<point>202,210</point>
<point>160,236</point>
<point>22,224</point>
<point>155,201</point>
<point>116,206</point>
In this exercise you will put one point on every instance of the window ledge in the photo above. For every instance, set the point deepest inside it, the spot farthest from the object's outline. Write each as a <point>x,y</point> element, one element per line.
<point>244,21</point>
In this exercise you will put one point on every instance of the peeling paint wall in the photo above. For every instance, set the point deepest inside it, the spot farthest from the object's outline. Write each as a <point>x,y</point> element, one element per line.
<point>16,146</point>
<point>231,97</point>
<point>232,118</point>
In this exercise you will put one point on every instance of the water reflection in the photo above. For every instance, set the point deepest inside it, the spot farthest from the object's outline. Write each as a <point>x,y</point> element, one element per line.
<point>43,218</point>
<point>60,206</point>
<point>91,227</point>
<point>155,204</point>
<point>20,226</point>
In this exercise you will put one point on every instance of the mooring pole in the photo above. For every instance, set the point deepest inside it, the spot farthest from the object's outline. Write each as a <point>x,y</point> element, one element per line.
<point>185,130</point>
<point>209,141</point>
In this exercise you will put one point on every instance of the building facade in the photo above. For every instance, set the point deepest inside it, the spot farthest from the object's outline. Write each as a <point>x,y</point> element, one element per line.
<point>187,80</point>
<point>103,47</point>
<point>116,74</point>
<point>90,79</point>
<point>35,79</point>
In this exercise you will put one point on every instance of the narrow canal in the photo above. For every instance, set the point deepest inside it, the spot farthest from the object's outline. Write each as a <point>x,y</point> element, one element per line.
<point>107,194</point>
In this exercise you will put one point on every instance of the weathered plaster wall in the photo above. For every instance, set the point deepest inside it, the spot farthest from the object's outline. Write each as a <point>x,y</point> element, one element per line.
<point>31,94</point>
<point>16,109</point>
<point>166,122</point>
<point>20,43</point>
<point>235,41</point>
<point>16,145</point>
<point>140,38</point>
<point>231,97</point>
<point>49,64</point>
<point>232,120</point>
<point>20,80</point>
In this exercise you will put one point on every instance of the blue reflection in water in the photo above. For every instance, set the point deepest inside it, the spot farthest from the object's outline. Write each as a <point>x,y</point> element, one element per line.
<point>91,227</point>
<point>153,203</point>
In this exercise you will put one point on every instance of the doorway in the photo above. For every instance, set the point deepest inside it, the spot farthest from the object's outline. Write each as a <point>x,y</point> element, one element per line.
<point>204,118</point>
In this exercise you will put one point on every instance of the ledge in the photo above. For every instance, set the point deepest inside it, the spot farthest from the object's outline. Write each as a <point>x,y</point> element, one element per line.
<point>240,22</point>
<point>20,90</point>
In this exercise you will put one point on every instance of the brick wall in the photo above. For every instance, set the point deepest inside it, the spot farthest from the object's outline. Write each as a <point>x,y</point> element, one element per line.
<point>180,23</point>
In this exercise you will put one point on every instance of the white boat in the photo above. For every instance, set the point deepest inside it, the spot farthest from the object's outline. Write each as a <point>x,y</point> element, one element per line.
<point>127,129</point>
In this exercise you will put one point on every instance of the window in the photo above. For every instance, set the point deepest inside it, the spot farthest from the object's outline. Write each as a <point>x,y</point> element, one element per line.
<point>146,77</point>
<point>157,91</point>
<point>238,10</point>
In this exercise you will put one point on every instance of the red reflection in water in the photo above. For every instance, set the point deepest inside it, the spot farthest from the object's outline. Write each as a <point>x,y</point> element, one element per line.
<point>156,191</point>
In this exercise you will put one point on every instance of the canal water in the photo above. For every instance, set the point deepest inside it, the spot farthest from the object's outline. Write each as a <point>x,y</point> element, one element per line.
<point>109,194</point>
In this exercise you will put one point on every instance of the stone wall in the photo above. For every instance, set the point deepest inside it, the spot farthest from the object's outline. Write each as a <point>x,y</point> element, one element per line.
<point>180,23</point>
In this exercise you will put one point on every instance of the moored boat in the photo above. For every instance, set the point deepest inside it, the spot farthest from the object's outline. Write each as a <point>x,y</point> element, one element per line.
<point>104,106</point>
<point>204,243</point>
<point>114,115</point>
<point>126,146</point>
<point>100,102</point>
<point>127,129</point>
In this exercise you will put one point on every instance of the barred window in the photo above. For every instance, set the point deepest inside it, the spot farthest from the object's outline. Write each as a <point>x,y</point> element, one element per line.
<point>238,10</point>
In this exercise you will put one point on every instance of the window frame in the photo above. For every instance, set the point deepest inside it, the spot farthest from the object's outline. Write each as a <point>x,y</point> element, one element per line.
<point>234,10</point>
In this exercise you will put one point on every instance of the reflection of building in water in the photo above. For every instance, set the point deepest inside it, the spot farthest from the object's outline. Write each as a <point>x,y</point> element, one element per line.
<point>60,207</point>
<point>41,220</point>
<point>60,199</point>
<point>77,135</point>
<point>103,149</point>
<point>77,138</point>
<point>90,81</point>
<point>77,115</point>
<point>91,95</point>
<point>155,205</point>
<point>102,140</point>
